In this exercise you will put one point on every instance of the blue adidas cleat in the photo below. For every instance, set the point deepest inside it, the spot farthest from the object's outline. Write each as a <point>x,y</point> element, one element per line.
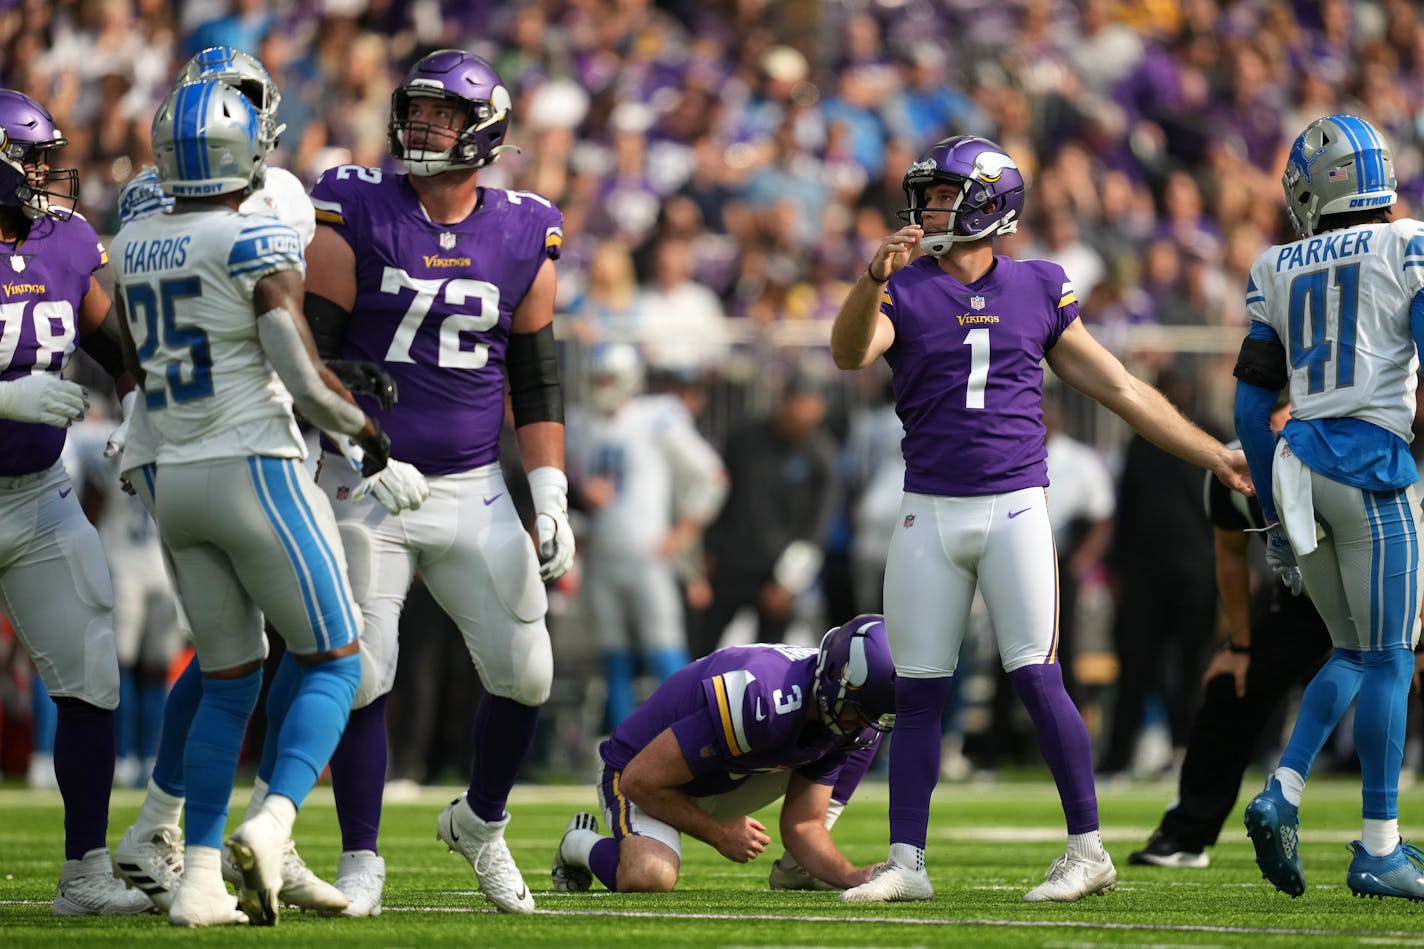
<point>1273,824</point>
<point>1400,873</point>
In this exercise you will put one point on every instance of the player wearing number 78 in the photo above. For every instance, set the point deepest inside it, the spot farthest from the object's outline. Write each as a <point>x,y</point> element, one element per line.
<point>448,286</point>
<point>965,332</point>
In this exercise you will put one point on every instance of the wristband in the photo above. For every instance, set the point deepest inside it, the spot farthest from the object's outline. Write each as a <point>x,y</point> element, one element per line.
<point>1238,650</point>
<point>871,274</point>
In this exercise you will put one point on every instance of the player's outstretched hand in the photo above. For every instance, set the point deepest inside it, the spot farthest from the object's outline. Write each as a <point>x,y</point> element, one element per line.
<point>1233,472</point>
<point>550,488</point>
<point>366,378</point>
<point>1281,558</point>
<point>398,486</point>
<point>743,839</point>
<point>43,398</point>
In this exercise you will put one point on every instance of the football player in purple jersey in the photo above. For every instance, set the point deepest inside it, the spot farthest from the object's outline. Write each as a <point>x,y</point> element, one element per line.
<point>449,287</point>
<point>965,332</point>
<point>54,583</point>
<point>726,736</point>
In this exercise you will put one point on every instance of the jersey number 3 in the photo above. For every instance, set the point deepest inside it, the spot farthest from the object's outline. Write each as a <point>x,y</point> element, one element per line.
<point>454,351</point>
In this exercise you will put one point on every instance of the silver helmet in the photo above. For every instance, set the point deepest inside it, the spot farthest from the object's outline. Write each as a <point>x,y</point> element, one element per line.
<point>247,73</point>
<point>1339,164</point>
<point>207,141</point>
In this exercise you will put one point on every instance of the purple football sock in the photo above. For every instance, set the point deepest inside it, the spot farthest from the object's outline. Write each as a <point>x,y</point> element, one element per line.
<point>358,776</point>
<point>914,756</point>
<point>502,733</point>
<point>1063,740</point>
<point>603,861</point>
<point>84,741</point>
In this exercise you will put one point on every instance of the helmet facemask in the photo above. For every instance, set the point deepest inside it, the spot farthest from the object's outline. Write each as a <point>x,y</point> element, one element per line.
<point>482,107</point>
<point>985,193</point>
<point>854,672</point>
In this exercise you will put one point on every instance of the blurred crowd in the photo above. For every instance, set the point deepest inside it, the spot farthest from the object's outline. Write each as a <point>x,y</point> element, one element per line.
<point>726,168</point>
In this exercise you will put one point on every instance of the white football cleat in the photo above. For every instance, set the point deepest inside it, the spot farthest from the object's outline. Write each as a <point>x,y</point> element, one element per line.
<point>303,888</point>
<point>256,849</point>
<point>483,845</point>
<point>360,878</point>
<point>1069,879</point>
<point>892,883</point>
<point>87,887</point>
<point>152,865</point>
<point>795,876</point>
<point>569,877</point>
<point>202,900</point>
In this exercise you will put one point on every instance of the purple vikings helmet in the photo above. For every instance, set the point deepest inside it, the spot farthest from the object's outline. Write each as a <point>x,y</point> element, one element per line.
<point>854,669</point>
<point>472,84</point>
<point>27,134</point>
<point>990,198</point>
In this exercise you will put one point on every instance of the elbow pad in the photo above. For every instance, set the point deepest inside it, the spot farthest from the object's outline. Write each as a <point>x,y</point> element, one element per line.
<point>533,370</point>
<point>328,324</point>
<point>104,344</point>
<point>1262,362</point>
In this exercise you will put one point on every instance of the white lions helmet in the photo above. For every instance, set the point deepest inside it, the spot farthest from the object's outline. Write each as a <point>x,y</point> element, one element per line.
<point>207,141</point>
<point>1338,165</point>
<point>251,78</point>
<point>615,375</point>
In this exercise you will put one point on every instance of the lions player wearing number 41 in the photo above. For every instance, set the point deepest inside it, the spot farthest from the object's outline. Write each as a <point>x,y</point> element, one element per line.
<point>1338,317</point>
<point>965,333</point>
<point>449,287</point>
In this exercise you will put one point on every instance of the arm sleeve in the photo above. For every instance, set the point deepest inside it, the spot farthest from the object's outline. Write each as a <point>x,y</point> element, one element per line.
<point>1253,426</point>
<point>288,354</point>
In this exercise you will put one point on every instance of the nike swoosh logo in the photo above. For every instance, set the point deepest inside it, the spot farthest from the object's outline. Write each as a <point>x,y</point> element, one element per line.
<point>489,501</point>
<point>65,492</point>
<point>760,715</point>
<point>523,893</point>
<point>1014,514</point>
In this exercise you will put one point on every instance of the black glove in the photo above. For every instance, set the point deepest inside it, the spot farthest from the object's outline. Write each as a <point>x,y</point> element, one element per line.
<point>366,378</point>
<point>376,451</point>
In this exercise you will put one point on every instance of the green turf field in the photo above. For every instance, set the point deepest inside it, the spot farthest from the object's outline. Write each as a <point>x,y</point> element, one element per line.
<point>989,843</point>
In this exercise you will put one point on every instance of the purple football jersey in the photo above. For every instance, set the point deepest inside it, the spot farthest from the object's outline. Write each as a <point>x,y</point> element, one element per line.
<point>434,305</point>
<point>967,371</point>
<point>43,279</point>
<point>739,711</point>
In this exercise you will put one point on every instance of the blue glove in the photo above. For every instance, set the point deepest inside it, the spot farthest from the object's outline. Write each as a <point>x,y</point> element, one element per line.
<point>1281,557</point>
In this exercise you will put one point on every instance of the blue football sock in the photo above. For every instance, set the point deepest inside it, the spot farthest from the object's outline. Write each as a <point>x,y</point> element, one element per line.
<point>210,756</point>
<point>44,715</point>
<point>1325,699</point>
<point>618,675</point>
<point>151,698</point>
<point>280,692</point>
<point>1380,714</point>
<point>178,713</point>
<point>126,715</point>
<point>313,725</point>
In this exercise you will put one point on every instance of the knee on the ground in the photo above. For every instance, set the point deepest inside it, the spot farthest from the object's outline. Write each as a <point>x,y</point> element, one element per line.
<point>646,876</point>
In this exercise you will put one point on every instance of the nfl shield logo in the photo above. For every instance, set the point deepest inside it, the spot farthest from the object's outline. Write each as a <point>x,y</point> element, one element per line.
<point>18,263</point>
<point>447,240</point>
<point>976,303</point>
<point>909,520</point>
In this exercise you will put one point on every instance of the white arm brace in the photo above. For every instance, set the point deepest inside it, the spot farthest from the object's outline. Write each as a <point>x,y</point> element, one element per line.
<point>285,350</point>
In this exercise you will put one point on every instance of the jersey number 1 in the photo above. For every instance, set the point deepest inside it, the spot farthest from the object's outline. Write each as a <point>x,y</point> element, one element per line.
<point>1308,294</point>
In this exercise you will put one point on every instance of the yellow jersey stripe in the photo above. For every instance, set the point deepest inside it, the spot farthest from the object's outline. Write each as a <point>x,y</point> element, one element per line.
<point>724,710</point>
<point>1067,298</point>
<point>330,217</point>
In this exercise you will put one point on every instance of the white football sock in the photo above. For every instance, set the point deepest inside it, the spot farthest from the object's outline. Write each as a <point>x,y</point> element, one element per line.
<point>1380,837</point>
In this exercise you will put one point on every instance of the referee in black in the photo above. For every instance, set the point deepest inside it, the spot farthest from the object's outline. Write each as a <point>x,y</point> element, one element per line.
<point>1274,640</point>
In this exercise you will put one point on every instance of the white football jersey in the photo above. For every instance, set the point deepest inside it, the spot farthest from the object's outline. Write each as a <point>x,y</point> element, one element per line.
<point>1339,302</point>
<point>659,464</point>
<point>281,196</point>
<point>130,537</point>
<point>186,281</point>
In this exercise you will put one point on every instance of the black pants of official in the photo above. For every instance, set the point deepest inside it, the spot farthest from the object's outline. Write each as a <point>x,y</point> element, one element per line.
<point>1289,643</point>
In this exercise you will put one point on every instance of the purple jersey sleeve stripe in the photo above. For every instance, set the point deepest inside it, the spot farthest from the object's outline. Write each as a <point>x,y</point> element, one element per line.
<point>724,712</point>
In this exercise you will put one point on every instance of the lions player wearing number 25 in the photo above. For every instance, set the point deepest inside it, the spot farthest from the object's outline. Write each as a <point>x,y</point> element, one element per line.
<point>448,286</point>
<point>54,584</point>
<point>1338,317</point>
<point>965,333</point>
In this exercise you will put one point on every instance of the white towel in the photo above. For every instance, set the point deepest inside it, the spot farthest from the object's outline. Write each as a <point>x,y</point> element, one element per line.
<point>1290,483</point>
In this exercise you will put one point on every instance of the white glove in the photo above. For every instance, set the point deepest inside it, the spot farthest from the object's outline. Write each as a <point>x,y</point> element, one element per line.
<point>119,437</point>
<point>398,486</point>
<point>44,398</point>
<point>550,488</point>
